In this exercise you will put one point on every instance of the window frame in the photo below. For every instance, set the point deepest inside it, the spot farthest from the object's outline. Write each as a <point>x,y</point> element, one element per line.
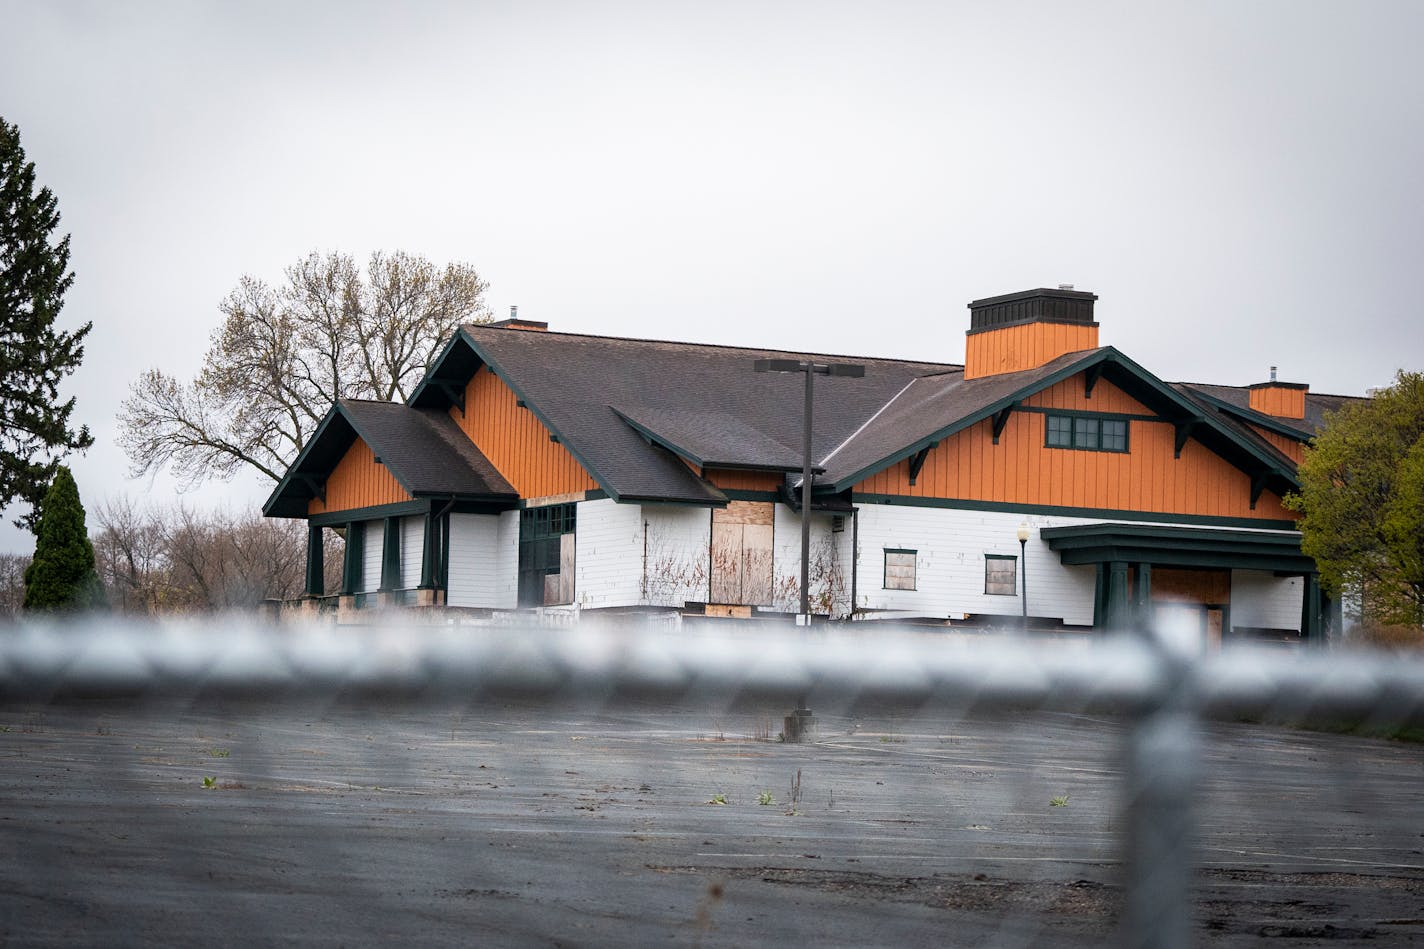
<point>914,566</point>
<point>999,558</point>
<point>1086,431</point>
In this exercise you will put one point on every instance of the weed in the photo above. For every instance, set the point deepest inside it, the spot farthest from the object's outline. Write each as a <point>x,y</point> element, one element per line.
<point>761,731</point>
<point>210,783</point>
<point>718,798</point>
<point>795,795</point>
<point>1059,801</point>
<point>218,753</point>
<point>765,798</point>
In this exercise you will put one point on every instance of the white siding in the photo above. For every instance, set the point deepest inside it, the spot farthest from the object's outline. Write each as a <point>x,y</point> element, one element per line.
<point>829,584</point>
<point>949,574</point>
<point>412,551</point>
<point>607,553</point>
<point>674,547</point>
<point>1266,601</point>
<point>371,555</point>
<point>482,567</point>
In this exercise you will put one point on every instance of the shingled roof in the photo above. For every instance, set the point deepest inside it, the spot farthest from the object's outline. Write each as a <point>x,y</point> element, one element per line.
<point>1237,401</point>
<point>622,407</point>
<point>424,450</point>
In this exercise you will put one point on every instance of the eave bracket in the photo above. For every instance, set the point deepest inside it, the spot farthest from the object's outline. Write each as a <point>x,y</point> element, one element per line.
<point>317,486</point>
<point>917,461</point>
<point>1184,431</point>
<point>1001,418</point>
<point>1090,379</point>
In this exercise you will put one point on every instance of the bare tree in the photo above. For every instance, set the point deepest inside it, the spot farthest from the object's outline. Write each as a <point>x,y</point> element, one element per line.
<point>130,556</point>
<point>284,354</point>
<point>12,583</point>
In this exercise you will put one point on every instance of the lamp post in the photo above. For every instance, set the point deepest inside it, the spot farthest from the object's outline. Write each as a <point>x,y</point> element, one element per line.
<point>797,722</point>
<point>812,370</point>
<point>1023,568</point>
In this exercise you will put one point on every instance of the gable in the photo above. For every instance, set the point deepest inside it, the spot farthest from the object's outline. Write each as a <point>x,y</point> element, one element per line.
<point>358,481</point>
<point>1071,393</point>
<point>515,441</point>
<point>1022,470</point>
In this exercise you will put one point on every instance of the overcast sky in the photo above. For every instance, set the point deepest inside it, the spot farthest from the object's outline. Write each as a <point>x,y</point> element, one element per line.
<point>1239,182</point>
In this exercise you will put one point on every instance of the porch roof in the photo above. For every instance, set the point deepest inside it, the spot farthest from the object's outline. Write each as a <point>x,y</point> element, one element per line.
<point>1158,544</point>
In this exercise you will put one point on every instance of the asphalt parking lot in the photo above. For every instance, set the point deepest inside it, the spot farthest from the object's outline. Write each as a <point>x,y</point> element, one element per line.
<point>500,824</point>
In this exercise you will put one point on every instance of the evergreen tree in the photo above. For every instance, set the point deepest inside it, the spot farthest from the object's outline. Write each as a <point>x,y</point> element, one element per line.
<point>35,430</point>
<point>62,575</point>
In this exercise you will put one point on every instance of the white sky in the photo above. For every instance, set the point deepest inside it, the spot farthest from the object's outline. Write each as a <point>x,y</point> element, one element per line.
<point>1239,182</point>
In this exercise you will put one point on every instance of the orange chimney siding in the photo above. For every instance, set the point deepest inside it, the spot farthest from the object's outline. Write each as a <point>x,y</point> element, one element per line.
<point>1024,346</point>
<point>516,442</point>
<point>357,481</point>
<point>1289,447</point>
<point>1282,401</point>
<point>1021,469</point>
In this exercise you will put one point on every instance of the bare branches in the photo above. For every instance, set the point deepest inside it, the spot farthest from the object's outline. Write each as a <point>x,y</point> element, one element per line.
<point>284,354</point>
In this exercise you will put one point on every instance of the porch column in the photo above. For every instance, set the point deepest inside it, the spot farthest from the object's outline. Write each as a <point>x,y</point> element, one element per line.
<point>1100,595</point>
<point>390,556</point>
<point>430,551</point>
<point>1118,614</point>
<point>1310,611</point>
<point>1143,596</point>
<point>351,560</point>
<point>316,564</point>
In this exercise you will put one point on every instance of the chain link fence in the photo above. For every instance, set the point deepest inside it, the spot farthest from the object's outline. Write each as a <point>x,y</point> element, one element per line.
<point>628,784</point>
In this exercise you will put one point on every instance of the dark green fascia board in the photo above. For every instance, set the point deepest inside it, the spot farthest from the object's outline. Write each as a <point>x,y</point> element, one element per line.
<point>295,472</point>
<point>735,494</point>
<point>1105,355</point>
<point>960,424</point>
<point>432,376</point>
<point>901,500</point>
<point>399,509</point>
<point>1201,560</point>
<point>1253,417</point>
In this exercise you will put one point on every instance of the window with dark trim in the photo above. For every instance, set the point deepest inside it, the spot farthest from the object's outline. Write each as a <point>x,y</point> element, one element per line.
<point>899,569</point>
<point>1001,575</point>
<point>546,555</point>
<point>1088,432</point>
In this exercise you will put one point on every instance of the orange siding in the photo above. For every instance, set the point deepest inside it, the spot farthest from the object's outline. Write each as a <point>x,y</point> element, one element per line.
<point>516,442</point>
<point>1280,401</point>
<point>1291,448</point>
<point>358,480</point>
<point>745,480</point>
<point>1025,346</point>
<point>1068,394</point>
<point>1021,470</point>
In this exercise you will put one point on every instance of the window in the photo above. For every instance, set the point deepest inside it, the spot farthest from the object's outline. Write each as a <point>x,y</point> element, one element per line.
<point>1001,575</point>
<point>546,555</point>
<point>899,569</point>
<point>1088,432</point>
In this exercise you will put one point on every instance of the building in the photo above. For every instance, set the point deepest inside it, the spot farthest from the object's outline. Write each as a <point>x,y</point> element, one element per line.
<point>573,473</point>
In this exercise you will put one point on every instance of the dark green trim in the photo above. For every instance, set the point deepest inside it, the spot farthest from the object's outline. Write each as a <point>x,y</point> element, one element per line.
<point>1204,520</point>
<point>353,558</point>
<point>1073,432</point>
<point>885,568</point>
<point>734,494</point>
<point>1124,416</point>
<point>1130,377</point>
<point>316,562</point>
<point>1252,417</point>
<point>534,409</point>
<point>399,509</point>
<point>390,554</point>
<point>445,555</point>
<point>1178,547</point>
<point>295,472</point>
<point>429,550</point>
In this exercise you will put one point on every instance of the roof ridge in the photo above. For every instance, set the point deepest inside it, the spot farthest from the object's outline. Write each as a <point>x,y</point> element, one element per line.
<point>948,366</point>
<point>866,424</point>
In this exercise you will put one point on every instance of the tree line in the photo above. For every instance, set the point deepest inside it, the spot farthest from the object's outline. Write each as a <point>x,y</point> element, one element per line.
<point>153,560</point>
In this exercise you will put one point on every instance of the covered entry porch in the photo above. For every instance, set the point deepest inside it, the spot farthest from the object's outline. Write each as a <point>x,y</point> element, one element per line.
<point>1141,566</point>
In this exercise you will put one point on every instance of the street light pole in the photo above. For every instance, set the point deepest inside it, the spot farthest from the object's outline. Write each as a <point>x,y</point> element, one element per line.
<point>1023,568</point>
<point>799,720</point>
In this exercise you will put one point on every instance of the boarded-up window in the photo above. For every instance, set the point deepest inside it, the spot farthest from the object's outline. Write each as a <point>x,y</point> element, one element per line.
<point>741,553</point>
<point>900,569</point>
<point>1001,575</point>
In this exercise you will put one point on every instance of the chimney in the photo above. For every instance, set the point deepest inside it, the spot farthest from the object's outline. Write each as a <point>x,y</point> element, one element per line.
<point>1019,331</point>
<point>1281,399</point>
<point>515,323</point>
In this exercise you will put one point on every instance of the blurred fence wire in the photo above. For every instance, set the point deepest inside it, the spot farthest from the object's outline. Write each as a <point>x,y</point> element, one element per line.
<point>1162,694</point>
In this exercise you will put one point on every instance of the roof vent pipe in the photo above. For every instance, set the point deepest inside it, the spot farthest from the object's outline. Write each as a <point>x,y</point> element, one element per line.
<point>1273,373</point>
<point>513,312</point>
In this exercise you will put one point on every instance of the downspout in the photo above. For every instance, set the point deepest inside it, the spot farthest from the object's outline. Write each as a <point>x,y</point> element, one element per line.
<point>854,555</point>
